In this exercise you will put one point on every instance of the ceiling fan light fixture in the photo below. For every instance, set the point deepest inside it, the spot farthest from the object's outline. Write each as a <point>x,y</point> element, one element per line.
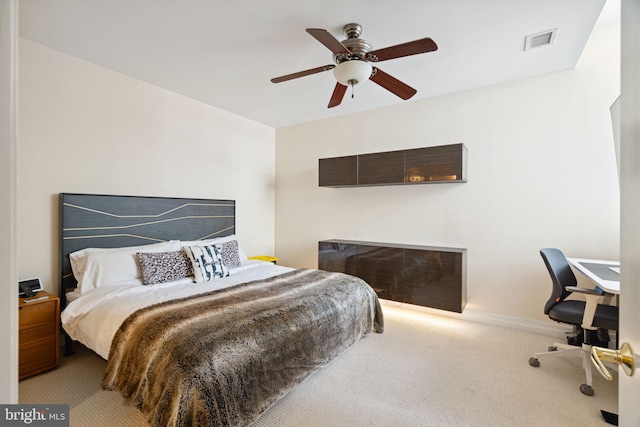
<point>349,73</point>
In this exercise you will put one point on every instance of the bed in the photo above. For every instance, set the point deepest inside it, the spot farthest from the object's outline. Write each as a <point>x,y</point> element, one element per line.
<point>193,332</point>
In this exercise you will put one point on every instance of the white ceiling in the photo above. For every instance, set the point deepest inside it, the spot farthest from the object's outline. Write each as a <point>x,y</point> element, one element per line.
<point>224,53</point>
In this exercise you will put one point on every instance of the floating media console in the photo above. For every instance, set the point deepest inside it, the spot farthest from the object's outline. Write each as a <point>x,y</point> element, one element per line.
<point>429,276</point>
<point>440,164</point>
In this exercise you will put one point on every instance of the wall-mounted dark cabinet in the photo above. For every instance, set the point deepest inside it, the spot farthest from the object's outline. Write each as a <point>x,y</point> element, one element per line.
<point>381,168</point>
<point>423,275</point>
<point>444,163</point>
<point>339,171</point>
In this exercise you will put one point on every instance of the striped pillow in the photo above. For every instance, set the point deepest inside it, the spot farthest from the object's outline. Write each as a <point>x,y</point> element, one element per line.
<point>206,262</point>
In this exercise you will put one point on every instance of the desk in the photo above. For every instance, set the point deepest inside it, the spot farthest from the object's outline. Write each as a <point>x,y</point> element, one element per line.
<point>605,274</point>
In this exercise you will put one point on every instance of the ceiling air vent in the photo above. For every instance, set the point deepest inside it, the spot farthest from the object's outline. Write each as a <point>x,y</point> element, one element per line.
<point>540,39</point>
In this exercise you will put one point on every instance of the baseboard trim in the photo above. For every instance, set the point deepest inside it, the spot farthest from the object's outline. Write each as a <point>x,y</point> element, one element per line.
<point>472,315</point>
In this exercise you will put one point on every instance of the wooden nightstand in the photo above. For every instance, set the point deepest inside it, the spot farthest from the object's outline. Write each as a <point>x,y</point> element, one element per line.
<point>39,327</point>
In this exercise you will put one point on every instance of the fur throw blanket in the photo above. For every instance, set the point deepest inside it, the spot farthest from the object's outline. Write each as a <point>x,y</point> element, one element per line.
<point>223,358</point>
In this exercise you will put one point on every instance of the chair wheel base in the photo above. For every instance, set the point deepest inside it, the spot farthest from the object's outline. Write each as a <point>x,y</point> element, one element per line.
<point>586,389</point>
<point>552,348</point>
<point>534,362</point>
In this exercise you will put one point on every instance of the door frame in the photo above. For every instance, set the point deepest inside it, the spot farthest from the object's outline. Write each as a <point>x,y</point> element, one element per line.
<point>629,387</point>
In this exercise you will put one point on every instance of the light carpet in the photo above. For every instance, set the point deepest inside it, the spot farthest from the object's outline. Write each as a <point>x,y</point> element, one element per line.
<point>424,370</point>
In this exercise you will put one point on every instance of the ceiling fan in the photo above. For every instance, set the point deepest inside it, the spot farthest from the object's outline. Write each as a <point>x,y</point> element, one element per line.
<point>353,57</point>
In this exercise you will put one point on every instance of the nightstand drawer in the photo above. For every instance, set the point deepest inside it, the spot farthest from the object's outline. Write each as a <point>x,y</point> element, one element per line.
<point>38,356</point>
<point>36,333</point>
<point>37,314</point>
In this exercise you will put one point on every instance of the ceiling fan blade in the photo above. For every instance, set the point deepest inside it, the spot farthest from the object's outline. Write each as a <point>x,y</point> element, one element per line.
<point>324,37</point>
<point>405,49</point>
<point>302,73</point>
<point>392,84</point>
<point>337,95</point>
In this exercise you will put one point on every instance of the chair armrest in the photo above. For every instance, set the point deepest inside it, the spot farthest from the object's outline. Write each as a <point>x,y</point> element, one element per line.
<point>584,290</point>
<point>593,297</point>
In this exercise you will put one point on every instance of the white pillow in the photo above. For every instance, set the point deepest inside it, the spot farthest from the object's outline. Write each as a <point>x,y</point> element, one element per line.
<point>78,259</point>
<point>100,267</point>
<point>208,242</point>
<point>207,262</point>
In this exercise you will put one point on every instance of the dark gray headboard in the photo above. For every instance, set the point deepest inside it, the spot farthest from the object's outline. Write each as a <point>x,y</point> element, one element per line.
<point>102,221</point>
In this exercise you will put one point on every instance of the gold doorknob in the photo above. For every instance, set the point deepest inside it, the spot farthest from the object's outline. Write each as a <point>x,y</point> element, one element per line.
<point>622,357</point>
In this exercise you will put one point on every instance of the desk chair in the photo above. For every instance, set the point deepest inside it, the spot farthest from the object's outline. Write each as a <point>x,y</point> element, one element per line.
<point>572,312</point>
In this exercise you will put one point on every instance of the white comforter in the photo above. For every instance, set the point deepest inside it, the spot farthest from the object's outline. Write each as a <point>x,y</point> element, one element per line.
<point>94,318</point>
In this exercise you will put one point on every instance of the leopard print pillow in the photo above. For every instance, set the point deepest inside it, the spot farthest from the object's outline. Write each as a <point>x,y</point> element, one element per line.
<point>230,254</point>
<point>162,267</point>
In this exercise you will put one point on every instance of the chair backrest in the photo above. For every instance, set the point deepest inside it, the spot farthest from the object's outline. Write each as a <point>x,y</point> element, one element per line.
<point>561,275</point>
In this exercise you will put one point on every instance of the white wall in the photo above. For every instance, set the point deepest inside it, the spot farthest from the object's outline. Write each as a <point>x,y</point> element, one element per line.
<point>86,129</point>
<point>542,172</point>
